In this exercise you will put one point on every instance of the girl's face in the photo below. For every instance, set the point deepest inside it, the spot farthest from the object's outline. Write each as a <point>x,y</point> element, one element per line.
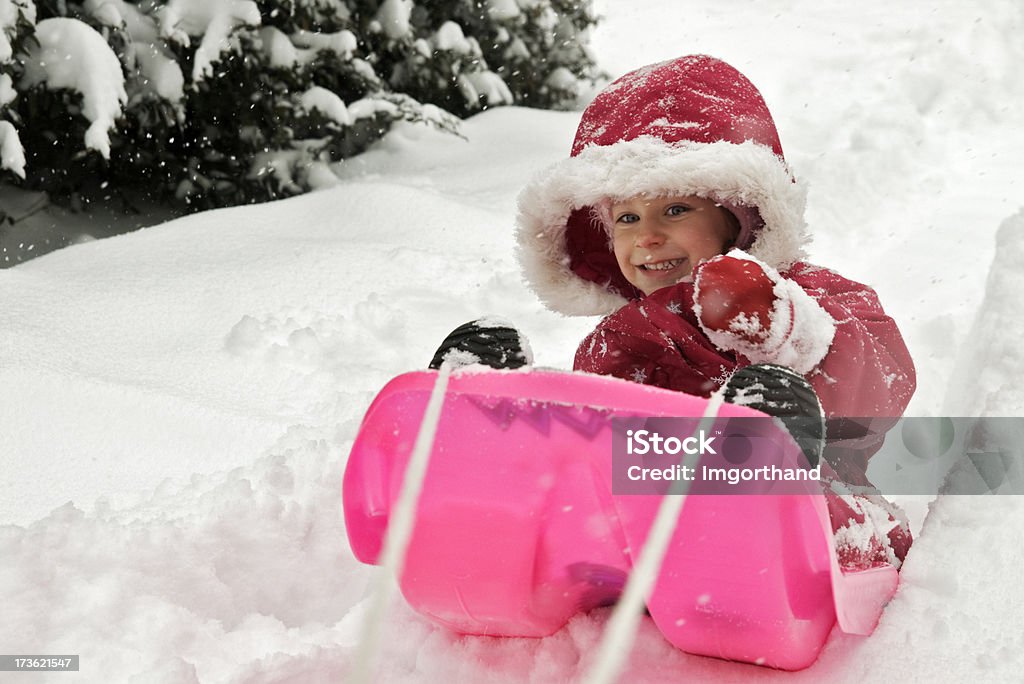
<point>658,241</point>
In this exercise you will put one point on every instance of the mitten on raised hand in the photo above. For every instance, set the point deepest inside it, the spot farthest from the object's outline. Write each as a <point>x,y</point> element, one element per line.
<point>744,305</point>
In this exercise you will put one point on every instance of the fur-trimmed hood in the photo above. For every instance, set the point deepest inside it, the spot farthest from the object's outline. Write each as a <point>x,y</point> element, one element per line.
<point>690,126</point>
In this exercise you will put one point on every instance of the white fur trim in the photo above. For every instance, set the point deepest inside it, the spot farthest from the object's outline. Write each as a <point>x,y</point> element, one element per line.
<point>748,173</point>
<point>811,335</point>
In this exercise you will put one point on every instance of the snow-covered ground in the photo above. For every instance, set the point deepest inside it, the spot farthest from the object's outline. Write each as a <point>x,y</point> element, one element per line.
<point>177,403</point>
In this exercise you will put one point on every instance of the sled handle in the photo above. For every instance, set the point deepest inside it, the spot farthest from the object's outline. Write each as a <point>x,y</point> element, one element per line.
<point>399,530</point>
<point>619,635</point>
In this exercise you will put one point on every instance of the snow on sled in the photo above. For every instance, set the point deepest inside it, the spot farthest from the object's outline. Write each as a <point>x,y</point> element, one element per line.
<point>517,527</point>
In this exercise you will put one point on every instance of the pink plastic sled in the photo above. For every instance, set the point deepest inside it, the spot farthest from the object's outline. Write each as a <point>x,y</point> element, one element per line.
<point>517,527</point>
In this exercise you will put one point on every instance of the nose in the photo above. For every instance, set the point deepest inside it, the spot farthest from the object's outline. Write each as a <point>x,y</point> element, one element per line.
<point>648,234</point>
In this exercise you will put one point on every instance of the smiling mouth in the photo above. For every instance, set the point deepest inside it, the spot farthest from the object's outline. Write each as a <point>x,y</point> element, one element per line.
<point>662,265</point>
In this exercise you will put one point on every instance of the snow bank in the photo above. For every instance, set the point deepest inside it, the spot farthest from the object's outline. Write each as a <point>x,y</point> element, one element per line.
<point>950,620</point>
<point>200,578</point>
<point>167,367</point>
<point>171,361</point>
<point>989,379</point>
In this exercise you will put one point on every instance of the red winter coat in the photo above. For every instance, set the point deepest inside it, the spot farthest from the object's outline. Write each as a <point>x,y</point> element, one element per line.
<point>866,373</point>
<point>697,126</point>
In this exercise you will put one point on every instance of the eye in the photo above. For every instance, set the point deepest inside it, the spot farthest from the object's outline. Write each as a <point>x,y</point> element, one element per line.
<point>677,210</point>
<point>627,218</point>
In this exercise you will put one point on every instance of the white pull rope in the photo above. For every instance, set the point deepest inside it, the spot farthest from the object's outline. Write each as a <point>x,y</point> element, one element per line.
<point>396,538</point>
<point>618,637</point>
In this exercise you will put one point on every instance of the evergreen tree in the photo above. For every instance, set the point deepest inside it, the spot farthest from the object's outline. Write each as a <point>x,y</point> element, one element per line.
<point>212,103</point>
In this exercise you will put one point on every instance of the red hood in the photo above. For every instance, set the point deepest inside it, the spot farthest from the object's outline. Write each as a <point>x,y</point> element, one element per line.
<point>690,126</point>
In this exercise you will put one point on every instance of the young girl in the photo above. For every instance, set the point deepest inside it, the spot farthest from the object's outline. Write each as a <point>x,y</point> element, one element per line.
<point>677,217</point>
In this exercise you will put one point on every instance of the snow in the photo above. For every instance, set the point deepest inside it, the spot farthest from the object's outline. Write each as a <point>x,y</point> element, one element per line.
<point>450,37</point>
<point>799,331</point>
<point>219,38</point>
<point>332,106</point>
<point>277,47</point>
<point>9,10</point>
<point>160,72</point>
<point>393,17</point>
<point>181,20</point>
<point>71,54</point>
<point>212,21</point>
<point>561,79</point>
<point>487,84</point>
<point>502,10</point>
<point>179,401</point>
<point>371,106</point>
<point>517,49</point>
<point>302,47</point>
<point>341,43</point>
<point>399,533</point>
<point>995,389</point>
<point>12,154</point>
<point>107,13</point>
<point>492,321</point>
<point>7,92</point>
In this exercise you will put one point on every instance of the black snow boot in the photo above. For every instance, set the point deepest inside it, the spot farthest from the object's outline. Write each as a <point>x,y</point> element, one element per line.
<point>782,393</point>
<point>489,341</point>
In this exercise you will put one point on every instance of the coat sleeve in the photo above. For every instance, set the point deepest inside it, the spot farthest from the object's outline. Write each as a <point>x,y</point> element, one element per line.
<point>867,370</point>
<point>866,378</point>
